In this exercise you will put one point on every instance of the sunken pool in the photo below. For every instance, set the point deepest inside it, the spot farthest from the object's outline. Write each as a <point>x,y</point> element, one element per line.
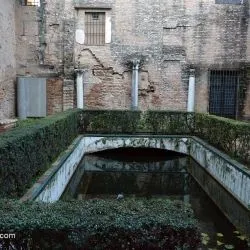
<point>146,172</point>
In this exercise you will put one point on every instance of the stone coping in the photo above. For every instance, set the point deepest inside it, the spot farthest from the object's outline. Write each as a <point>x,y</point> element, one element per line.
<point>38,187</point>
<point>226,157</point>
<point>41,183</point>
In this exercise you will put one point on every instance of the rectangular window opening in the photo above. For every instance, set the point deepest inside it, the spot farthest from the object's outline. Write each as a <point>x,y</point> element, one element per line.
<point>95,28</point>
<point>223,95</point>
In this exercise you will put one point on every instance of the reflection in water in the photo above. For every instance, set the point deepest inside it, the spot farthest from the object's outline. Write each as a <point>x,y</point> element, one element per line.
<point>137,184</point>
<point>152,173</point>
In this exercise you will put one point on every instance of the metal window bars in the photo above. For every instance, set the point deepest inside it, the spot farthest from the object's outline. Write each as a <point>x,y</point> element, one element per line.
<point>95,28</point>
<point>224,91</point>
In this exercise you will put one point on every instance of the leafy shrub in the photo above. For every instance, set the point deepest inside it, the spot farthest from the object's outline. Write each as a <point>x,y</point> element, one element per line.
<point>104,224</point>
<point>110,121</point>
<point>169,122</point>
<point>231,136</point>
<point>130,122</point>
<point>27,150</point>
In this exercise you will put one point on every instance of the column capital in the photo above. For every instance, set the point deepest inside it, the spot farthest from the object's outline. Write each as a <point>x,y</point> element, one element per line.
<point>136,61</point>
<point>191,72</point>
<point>80,71</point>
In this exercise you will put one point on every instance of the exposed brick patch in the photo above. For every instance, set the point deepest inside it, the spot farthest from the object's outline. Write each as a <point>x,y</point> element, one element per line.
<point>171,36</point>
<point>54,95</point>
<point>68,94</point>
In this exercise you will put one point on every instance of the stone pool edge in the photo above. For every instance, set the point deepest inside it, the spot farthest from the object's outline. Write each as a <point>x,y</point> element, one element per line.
<point>65,158</point>
<point>186,145</point>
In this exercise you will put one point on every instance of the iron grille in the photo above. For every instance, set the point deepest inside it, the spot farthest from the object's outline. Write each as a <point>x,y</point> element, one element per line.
<point>95,28</point>
<point>31,2</point>
<point>224,92</point>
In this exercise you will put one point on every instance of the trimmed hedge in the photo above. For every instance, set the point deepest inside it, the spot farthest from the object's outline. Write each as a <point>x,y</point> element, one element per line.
<point>232,137</point>
<point>169,122</point>
<point>131,122</point>
<point>27,150</point>
<point>102,224</point>
<point>110,121</point>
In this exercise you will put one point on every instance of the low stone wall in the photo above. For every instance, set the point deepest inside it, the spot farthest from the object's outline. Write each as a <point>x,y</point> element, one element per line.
<point>51,185</point>
<point>237,214</point>
<point>230,136</point>
<point>230,174</point>
<point>234,177</point>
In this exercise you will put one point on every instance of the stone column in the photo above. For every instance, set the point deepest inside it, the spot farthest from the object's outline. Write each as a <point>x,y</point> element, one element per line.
<point>135,84</point>
<point>79,88</point>
<point>191,91</point>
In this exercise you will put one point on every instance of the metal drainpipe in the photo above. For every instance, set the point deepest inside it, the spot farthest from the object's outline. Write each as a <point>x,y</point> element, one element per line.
<point>191,91</point>
<point>79,88</point>
<point>135,84</point>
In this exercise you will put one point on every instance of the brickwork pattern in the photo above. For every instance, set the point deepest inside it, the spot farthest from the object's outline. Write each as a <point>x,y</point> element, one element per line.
<point>168,36</point>
<point>54,95</point>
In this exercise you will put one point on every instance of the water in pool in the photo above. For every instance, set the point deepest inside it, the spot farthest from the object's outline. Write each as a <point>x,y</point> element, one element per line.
<point>158,173</point>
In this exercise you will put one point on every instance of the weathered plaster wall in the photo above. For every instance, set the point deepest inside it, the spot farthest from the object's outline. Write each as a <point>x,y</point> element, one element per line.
<point>7,59</point>
<point>21,46</point>
<point>27,40</point>
<point>171,36</point>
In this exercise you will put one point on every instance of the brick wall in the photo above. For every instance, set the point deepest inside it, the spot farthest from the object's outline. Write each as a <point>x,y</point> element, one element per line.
<point>172,36</point>
<point>54,95</point>
<point>169,36</point>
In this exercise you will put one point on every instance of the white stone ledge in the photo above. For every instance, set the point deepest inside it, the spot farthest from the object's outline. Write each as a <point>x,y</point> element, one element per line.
<point>233,176</point>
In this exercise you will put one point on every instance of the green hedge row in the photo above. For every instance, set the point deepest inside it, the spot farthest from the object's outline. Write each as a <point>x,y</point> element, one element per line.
<point>27,150</point>
<point>233,137</point>
<point>101,224</point>
<point>110,121</point>
<point>169,122</point>
<point>130,122</point>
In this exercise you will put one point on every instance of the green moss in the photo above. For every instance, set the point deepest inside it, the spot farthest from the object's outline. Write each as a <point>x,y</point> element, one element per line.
<point>231,136</point>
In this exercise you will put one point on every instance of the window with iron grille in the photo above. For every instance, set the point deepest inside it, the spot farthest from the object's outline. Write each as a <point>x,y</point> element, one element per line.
<point>31,2</point>
<point>223,97</point>
<point>95,28</point>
